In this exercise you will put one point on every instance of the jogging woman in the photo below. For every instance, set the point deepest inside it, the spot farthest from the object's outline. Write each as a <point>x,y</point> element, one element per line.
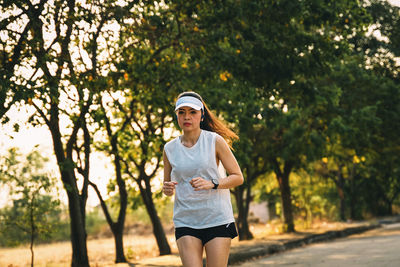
<point>203,216</point>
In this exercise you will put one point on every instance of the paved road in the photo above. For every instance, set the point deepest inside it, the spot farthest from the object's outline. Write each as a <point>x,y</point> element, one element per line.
<point>379,247</point>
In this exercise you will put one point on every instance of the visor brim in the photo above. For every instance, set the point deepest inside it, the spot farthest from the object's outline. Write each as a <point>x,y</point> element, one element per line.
<point>194,106</point>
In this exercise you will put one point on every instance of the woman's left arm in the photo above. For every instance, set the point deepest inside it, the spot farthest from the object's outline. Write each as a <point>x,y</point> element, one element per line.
<point>225,155</point>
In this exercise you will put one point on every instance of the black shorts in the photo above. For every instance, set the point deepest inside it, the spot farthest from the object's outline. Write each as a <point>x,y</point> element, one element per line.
<point>206,234</point>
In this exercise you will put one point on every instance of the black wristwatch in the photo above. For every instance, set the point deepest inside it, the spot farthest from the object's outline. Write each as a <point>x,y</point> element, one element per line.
<point>215,182</point>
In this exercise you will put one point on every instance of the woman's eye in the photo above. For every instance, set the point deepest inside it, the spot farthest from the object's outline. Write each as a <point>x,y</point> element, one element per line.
<point>193,112</point>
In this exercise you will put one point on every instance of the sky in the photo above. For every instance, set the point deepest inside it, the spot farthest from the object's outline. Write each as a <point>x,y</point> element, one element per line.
<point>394,2</point>
<point>29,138</point>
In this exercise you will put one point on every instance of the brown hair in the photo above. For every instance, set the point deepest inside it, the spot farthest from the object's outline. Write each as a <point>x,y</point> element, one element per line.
<point>211,123</point>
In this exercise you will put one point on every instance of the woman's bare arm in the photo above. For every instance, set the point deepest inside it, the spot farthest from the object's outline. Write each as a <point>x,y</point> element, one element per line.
<point>225,155</point>
<point>168,186</point>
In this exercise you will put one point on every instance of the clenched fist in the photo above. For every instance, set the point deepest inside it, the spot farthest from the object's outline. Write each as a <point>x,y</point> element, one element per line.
<point>169,188</point>
<point>198,183</point>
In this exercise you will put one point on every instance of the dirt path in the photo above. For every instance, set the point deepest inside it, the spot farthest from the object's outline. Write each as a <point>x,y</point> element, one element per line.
<point>379,247</point>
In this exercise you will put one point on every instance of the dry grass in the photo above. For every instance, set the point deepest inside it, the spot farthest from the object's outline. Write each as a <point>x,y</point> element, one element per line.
<point>101,251</point>
<point>273,229</point>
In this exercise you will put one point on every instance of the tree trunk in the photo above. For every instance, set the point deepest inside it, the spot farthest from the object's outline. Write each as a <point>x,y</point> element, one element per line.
<point>158,229</point>
<point>78,232</point>
<point>243,212</point>
<point>390,208</point>
<point>32,219</point>
<point>340,188</point>
<point>118,232</point>
<point>286,196</point>
<point>117,228</point>
<point>119,244</point>
<point>77,223</point>
<point>353,200</point>
<point>391,200</point>
<point>385,207</point>
<point>32,254</point>
<point>342,205</point>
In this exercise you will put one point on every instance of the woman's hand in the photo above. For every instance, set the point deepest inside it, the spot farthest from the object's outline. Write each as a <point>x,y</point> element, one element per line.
<point>199,183</point>
<point>169,188</point>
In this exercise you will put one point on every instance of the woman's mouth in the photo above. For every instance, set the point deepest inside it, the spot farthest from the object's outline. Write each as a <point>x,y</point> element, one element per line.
<point>186,124</point>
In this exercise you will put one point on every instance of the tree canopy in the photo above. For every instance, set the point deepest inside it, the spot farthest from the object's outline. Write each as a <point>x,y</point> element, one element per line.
<point>311,88</point>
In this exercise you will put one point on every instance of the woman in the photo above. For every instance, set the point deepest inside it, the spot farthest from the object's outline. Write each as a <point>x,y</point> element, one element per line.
<point>203,216</point>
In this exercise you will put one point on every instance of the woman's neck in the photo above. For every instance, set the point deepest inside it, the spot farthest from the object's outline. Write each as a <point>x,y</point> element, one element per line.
<point>189,138</point>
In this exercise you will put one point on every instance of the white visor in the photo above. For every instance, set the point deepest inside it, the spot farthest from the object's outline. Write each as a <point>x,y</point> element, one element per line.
<point>188,101</point>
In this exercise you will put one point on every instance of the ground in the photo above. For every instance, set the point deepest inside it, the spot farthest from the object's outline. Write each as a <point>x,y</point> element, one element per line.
<point>377,247</point>
<point>137,247</point>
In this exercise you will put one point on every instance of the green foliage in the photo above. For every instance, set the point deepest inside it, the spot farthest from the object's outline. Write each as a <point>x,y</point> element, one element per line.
<point>314,198</point>
<point>95,223</point>
<point>266,188</point>
<point>34,210</point>
<point>362,133</point>
<point>299,81</point>
<point>287,76</point>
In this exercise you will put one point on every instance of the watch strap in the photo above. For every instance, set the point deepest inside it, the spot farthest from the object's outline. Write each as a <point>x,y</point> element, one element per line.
<point>215,182</point>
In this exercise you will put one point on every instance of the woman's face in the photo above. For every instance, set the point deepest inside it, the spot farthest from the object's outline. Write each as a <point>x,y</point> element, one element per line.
<point>188,118</point>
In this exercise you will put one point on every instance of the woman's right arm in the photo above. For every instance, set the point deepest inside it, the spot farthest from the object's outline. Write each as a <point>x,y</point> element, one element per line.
<point>168,186</point>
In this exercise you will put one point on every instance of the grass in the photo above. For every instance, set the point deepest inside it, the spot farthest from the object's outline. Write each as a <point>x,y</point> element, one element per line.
<point>101,251</point>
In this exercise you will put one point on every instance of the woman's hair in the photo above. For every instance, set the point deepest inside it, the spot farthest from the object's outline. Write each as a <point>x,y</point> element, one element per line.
<point>211,123</point>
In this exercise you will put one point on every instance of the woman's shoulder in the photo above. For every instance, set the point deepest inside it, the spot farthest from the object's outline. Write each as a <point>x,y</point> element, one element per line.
<point>171,143</point>
<point>210,134</point>
<point>215,137</point>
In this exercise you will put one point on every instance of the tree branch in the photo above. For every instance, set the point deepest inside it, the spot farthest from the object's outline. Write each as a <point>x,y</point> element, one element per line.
<point>102,203</point>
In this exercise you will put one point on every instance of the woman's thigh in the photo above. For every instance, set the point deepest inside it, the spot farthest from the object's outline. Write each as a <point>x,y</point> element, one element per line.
<point>217,251</point>
<point>191,251</point>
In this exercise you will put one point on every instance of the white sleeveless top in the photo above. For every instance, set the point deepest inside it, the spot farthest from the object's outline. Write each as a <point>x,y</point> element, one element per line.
<point>204,208</point>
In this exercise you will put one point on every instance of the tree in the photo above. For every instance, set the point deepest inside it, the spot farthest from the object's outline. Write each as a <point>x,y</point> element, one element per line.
<point>117,228</point>
<point>384,55</point>
<point>280,47</point>
<point>250,148</point>
<point>363,139</point>
<point>55,74</point>
<point>135,113</point>
<point>30,189</point>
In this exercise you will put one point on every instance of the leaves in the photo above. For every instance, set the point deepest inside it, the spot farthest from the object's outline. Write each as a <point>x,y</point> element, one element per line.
<point>31,192</point>
<point>299,81</point>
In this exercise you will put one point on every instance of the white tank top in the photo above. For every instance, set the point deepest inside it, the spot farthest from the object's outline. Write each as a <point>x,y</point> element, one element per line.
<point>197,209</point>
